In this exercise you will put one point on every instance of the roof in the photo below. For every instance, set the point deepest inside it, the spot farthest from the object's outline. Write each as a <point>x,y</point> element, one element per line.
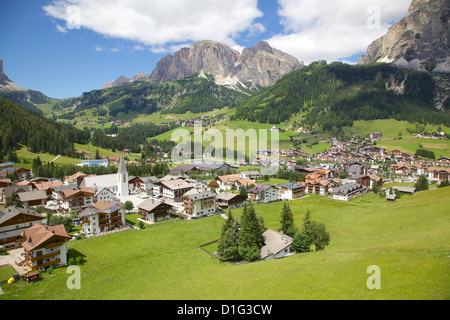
<point>32,195</point>
<point>150,204</point>
<point>12,212</point>
<point>70,193</point>
<point>348,187</point>
<point>202,195</point>
<point>259,188</point>
<point>39,234</point>
<point>274,243</point>
<point>122,165</point>
<point>227,196</point>
<point>291,185</point>
<point>405,189</point>
<point>177,184</point>
<point>246,181</point>
<point>103,181</point>
<point>229,178</point>
<point>101,207</point>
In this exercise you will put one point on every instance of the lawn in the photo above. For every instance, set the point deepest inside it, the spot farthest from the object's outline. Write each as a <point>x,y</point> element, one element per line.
<point>410,145</point>
<point>408,240</point>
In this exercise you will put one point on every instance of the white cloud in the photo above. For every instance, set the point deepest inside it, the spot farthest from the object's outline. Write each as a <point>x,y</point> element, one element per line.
<point>61,29</point>
<point>332,30</point>
<point>161,23</point>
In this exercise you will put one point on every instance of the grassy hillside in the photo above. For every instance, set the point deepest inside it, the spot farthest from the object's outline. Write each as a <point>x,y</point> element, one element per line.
<point>408,240</point>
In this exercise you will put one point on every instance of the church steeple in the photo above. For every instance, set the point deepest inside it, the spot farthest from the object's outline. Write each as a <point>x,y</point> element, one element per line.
<point>122,179</point>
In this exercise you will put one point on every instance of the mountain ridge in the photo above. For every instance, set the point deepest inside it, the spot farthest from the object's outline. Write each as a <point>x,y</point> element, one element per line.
<point>420,41</point>
<point>258,66</point>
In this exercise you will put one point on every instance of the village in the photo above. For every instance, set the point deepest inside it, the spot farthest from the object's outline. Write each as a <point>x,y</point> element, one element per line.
<point>99,205</point>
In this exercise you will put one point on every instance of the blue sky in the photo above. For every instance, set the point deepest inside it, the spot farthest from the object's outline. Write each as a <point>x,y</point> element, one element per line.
<point>66,47</point>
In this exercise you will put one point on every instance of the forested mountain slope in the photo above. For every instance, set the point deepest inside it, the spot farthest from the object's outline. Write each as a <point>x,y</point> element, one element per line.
<point>335,95</point>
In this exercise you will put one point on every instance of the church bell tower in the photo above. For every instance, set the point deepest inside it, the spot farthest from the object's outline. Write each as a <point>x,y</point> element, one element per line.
<point>122,179</point>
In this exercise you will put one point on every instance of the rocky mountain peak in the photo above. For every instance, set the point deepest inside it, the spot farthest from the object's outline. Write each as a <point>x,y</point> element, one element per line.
<point>5,83</point>
<point>258,66</point>
<point>420,41</point>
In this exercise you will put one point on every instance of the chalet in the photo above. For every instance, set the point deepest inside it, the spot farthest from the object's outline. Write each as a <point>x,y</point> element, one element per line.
<point>245,182</point>
<point>375,136</point>
<point>263,193</point>
<point>197,205</point>
<point>363,180</point>
<point>172,189</point>
<point>418,170</point>
<point>148,182</point>
<point>250,174</point>
<point>102,216</point>
<point>206,167</point>
<point>438,173</point>
<point>5,183</point>
<point>48,187</point>
<point>399,169</point>
<point>291,191</point>
<point>348,191</point>
<point>76,199</point>
<point>33,198</point>
<point>152,210</point>
<point>276,245</point>
<point>227,182</point>
<point>13,221</point>
<point>104,194</point>
<point>45,246</point>
<point>317,186</point>
<point>7,192</point>
<point>227,200</point>
<point>357,168</point>
<point>375,182</point>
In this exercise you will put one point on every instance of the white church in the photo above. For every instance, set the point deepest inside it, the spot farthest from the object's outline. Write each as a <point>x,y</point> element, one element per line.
<point>109,187</point>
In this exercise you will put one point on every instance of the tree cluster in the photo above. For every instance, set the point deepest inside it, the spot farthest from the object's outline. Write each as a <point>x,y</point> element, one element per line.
<point>242,240</point>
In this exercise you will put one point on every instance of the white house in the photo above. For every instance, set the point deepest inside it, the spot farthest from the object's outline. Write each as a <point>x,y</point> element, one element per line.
<point>199,204</point>
<point>102,216</point>
<point>45,246</point>
<point>348,191</point>
<point>263,194</point>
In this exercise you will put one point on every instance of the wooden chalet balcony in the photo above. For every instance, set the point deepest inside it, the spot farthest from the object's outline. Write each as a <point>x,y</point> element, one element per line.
<point>48,264</point>
<point>54,245</point>
<point>45,256</point>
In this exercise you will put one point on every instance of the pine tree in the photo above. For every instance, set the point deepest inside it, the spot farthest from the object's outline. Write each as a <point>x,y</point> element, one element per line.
<point>307,224</point>
<point>250,236</point>
<point>287,220</point>
<point>227,246</point>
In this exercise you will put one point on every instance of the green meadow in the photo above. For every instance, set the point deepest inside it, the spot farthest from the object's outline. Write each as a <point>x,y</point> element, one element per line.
<point>408,240</point>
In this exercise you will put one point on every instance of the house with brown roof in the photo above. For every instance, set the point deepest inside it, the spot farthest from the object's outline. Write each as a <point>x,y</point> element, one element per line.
<point>152,210</point>
<point>45,246</point>
<point>227,182</point>
<point>172,189</point>
<point>199,204</point>
<point>228,200</point>
<point>102,216</point>
<point>76,199</point>
<point>13,221</point>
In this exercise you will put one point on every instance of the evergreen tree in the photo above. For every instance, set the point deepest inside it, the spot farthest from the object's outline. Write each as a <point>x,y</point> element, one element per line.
<point>422,184</point>
<point>250,236</point>
<point>287,220</point>
<point>307,224</point>
<point>301,243</point>
<point>319,235</point>
<point>227,246</point>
